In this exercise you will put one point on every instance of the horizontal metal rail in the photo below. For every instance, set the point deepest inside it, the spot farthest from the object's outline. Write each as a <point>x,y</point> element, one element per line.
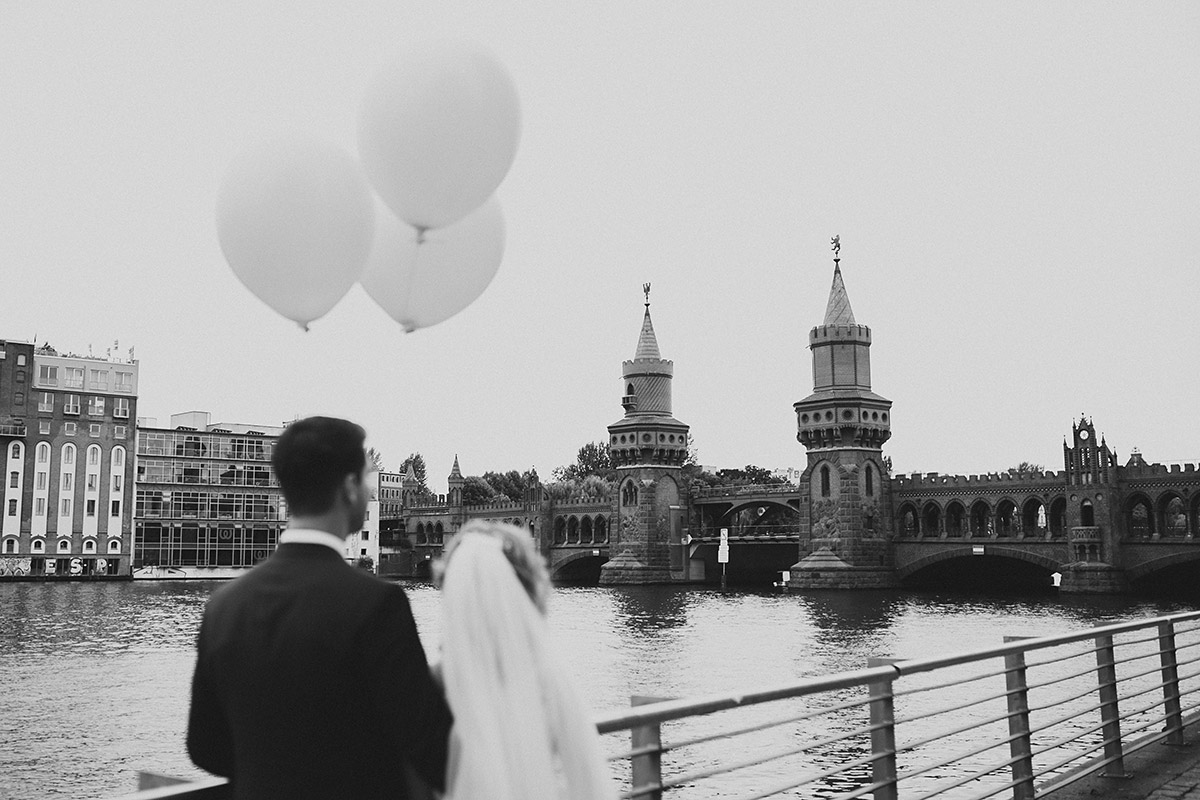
<point>952,727</point>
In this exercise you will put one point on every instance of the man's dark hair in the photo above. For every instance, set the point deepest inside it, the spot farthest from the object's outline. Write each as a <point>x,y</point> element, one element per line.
<point>312,458</point>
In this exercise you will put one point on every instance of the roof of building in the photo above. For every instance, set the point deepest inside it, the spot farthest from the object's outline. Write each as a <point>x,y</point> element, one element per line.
<point>838,312</point>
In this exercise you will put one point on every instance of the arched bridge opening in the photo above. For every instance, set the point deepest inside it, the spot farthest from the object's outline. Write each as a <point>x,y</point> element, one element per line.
<point>582,569</point>
<point>1176,577</point>
<point>963,570</point>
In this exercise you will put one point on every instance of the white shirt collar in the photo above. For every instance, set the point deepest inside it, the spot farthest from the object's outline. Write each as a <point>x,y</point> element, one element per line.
<point>310,536</point>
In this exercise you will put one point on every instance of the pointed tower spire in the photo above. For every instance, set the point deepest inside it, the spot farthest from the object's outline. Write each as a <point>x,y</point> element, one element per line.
<point>838,311</point>
<point>647,346</point>
<point>455,472</point>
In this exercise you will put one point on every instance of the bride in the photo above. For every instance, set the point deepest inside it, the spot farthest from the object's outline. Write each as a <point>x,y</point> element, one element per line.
<point>520,729</point>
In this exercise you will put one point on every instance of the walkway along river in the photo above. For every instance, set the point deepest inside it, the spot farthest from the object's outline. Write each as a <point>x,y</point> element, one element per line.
<point>95,676</point>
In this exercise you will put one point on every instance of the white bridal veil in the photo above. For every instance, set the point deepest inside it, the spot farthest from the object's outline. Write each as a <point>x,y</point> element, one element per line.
<point>516,711</point>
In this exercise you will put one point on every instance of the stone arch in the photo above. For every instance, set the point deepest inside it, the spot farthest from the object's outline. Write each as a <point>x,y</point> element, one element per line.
<point>1034,518</point>
<point>629,493</point>
<point>981,518</point>
<point>586,534</point>
<point>907,521</point>
<point>956,515</point>
<point>1156,564</point>
<point>931,519</point>
<point>1139,517</point>
<point>1087,513</point>
<point>422,537</point>
<point>438,533</point>
<point>817,484</point>
<point>1172,517</point>
<point>560,530</point>
<point>572,529</point>
<point>1007,523</point>
<point>572,559</point>
<point>600,531</point>
<point>1015,553</point>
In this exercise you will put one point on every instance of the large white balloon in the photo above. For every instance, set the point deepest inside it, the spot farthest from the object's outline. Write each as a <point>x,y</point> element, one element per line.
<point>437,132</point>
<point>295,220</point>
<point>423,283</point>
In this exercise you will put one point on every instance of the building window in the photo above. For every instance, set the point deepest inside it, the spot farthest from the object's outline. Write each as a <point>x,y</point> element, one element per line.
<point>39,546</point>
<point>68,454</point>
<point>825,489</point>
<point>44,426</point>
<point>91,508</point>
<point>14,480</point>
<point>94,430</point>
<point>93,456</point>
<point>39,506</point>
<point>64,545</point>
<point>93,481</point>
<point>70,428</point>
<point>48,375</point>
<point>46,401</point>
<point>10,545</point>
<point>114,545</point>
<point>870,481</point>
<point>121,407</point>
<point>73,378</point>
<point>21,360</point>
<point>43,453</point>
<point>99,379</point>
<point>95,406</point>
<point>12,507</point>
<point>89,546</point>
<point>115,510</point>
<point>118,431</point>
<point>66,481</point>
<point>39,481</point>
<point>124,382</point>
<point>15,453</point>
<point>71,404</point>
<point>116,482</point>
<point>20,376</point>
<point>65,509</point>
<point>118,458</point>
<point>19,398</point>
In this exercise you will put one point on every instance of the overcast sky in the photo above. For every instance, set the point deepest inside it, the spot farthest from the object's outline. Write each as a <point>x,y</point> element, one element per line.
<point>1016,186</point>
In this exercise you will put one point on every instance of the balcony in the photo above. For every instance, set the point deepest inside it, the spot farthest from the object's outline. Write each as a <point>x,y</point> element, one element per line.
<point>1085,534</point>
<point>16,429</point>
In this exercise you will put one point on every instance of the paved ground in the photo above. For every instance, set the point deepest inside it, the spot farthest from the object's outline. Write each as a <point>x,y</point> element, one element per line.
<point>1156,772</point>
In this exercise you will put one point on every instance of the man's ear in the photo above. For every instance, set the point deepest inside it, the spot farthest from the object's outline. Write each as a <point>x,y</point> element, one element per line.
<point>351,486</point>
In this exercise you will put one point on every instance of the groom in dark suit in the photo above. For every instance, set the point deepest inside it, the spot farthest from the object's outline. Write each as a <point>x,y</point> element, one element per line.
<point>310,679</point>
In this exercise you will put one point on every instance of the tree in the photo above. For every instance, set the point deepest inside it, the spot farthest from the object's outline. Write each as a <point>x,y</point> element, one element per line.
<point>418,465</point>
<point>594,458</point>
<point>747,475</point>
<point>376,458</point>
<point>511,484</point>
<point>1027,468</point>
<point>476,491</point>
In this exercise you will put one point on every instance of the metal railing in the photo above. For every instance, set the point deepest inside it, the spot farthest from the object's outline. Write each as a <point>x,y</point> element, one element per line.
<point>1017,720</point>
<point>1026,717</point>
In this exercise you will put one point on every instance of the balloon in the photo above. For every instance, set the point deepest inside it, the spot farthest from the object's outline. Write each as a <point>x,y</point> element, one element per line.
<point>423,283</point>
<point>295,220</point>
<point>437,132</point>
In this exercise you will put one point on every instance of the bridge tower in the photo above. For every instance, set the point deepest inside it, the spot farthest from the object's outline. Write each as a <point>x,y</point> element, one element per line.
<point>1092,514</point>
<point>648,448</point>
<point>844,508</point>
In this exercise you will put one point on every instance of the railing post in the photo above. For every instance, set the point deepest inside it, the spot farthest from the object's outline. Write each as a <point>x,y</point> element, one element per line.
<point>883,734</point>
<point>1019,745</point>
<point>646,767</point>
<point>1170,681</point>
<point>1110,717</point>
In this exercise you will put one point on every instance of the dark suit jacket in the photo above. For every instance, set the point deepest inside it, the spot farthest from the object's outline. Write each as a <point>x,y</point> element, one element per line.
<point>311,683</point>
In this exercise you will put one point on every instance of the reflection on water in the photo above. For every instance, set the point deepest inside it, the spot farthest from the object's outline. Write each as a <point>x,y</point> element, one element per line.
<point>96,675</point>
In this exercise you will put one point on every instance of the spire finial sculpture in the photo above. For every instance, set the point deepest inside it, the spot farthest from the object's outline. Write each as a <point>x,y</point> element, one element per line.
<point>646,290</point>
<point>836,241</point>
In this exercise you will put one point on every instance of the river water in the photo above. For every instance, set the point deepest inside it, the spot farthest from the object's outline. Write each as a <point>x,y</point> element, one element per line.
<point>94,677</point>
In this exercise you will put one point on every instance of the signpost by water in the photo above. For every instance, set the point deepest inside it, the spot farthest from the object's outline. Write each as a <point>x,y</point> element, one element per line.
<point>723,554</point>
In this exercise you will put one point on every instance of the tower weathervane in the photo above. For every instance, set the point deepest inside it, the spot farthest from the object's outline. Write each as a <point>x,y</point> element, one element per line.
<point>836,241</point>
<point>646,289</point>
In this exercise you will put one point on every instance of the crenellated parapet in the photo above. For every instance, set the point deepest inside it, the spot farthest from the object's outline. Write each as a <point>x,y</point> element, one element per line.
<point>932,480</point>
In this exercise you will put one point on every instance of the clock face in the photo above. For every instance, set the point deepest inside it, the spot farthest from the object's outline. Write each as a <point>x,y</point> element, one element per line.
<point>1083,434</point>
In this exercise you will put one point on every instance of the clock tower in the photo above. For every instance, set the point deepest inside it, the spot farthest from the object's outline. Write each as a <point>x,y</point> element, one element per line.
<point>844,509</point>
